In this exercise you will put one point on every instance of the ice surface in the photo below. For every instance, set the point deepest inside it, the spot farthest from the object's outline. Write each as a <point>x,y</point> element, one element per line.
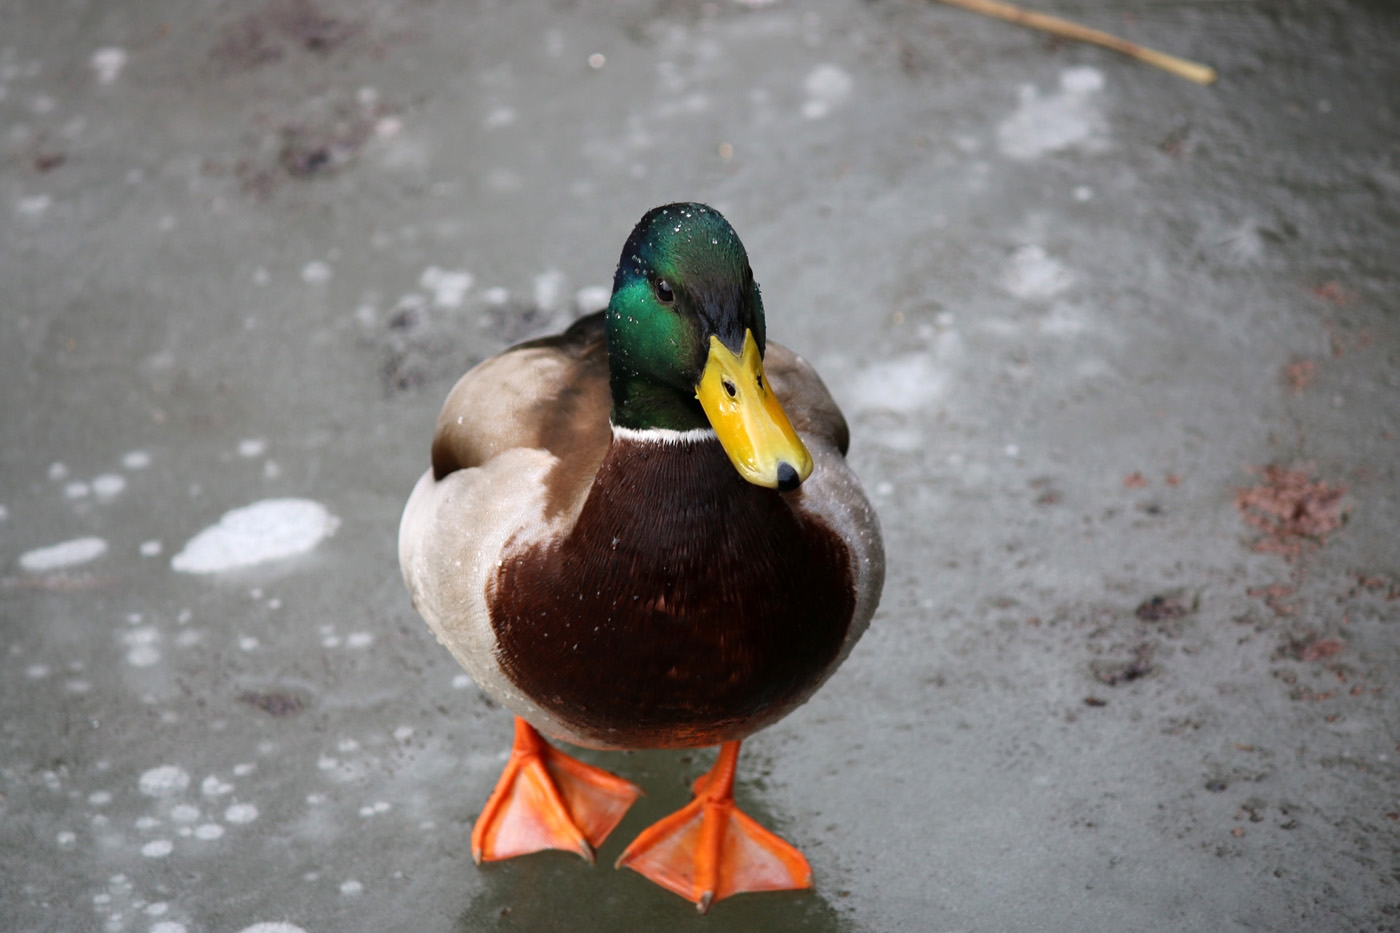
<point>1062,299</point>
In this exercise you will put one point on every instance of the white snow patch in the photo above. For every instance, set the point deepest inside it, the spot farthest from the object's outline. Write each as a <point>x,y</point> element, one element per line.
<point>276,926</point>
<point>826,86</point>
<point>1031,273</point>
<point>241,813</point>
<point>213,787</point>
<point>903,384</point>
<point>108,485</point>
<point>549,288</point>
<point>100,798</point>
<point>66,554</point>
<point>499,116</point>
<point>592,297</point>
<point>150,548</point>
<point>351,887</point>
<point>164,781</point>
<point>496,295</point>
<point>108,63</point>
<point>1064,321</point>
<point>462,681</point>
<point>251,447</point>
<point>143,656</point>
<point>208,831</point>
<point>167,926</point>
<point>57,470</point>
<point>1070,117</point>
<point>1242,244</point>
<point>76,490</point>
<point>33,205</point>
<point>316,273</point>
<point>66,838</point>
<point>158,848</point>
<point>245,768</point>
<point>359,640</point>
<point>136,460</point>
<point>449,288</point>
<point>184,813</point>
<point>271,529</point>
<point>36,671</point>
<point>4,512</point>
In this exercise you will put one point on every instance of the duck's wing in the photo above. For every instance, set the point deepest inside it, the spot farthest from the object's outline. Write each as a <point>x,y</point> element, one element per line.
<point>832,494</point>
<point>549,394</point>
<point>805,398</point>
<point>515,453</point>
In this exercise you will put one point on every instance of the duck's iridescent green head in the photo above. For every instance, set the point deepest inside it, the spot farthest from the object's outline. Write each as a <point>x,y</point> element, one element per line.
<point>686,337</point>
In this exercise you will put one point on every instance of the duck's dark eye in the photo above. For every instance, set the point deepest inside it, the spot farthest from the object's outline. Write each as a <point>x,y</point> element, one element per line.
<point>663,292</point>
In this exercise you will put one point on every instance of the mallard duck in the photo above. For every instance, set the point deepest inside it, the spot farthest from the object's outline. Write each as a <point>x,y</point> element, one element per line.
<point>642,533</point>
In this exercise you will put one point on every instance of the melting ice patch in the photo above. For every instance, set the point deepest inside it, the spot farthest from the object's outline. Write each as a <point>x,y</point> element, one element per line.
<point>1069,117</point>
<point>67,554</point>
<point>272,529</point>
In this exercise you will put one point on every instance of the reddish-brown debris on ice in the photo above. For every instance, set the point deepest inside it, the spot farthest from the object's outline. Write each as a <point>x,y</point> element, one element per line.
<point>1295,511</point>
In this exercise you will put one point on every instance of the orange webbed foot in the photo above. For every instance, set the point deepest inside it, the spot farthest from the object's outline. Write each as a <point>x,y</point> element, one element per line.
<point>547,800</point>
<point>710,849</point>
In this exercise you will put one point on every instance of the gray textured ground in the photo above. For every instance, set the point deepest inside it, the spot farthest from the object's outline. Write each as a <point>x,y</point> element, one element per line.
<point>1066,300</point>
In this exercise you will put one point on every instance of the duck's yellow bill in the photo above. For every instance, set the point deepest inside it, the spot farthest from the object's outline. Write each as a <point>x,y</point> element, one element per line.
<point>749,420</point>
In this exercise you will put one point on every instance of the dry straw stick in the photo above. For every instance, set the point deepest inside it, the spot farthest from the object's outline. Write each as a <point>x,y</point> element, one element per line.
<point>1192,71</point>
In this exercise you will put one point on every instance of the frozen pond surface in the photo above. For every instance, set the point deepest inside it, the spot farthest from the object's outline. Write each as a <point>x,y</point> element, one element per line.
<point>1073,307</point>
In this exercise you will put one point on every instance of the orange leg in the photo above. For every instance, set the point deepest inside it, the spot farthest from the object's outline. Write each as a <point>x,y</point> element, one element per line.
<point>547,800</point>
<point>710,849</point>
